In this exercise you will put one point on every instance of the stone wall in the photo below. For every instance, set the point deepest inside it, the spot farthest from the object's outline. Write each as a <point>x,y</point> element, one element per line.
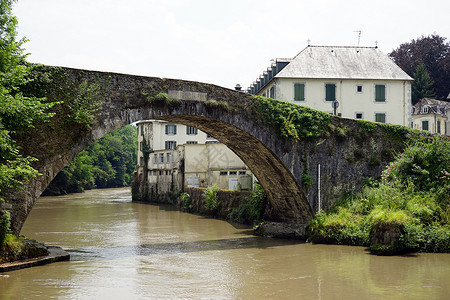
<point>347,153</point>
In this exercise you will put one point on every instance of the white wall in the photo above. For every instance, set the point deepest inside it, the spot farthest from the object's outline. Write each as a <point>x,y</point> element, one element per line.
<point>396,107</point>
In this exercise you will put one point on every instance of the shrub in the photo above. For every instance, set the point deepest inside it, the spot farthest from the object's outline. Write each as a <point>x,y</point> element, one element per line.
<point>211,199</point>
<point>5,224</point>
<point>186,201</point>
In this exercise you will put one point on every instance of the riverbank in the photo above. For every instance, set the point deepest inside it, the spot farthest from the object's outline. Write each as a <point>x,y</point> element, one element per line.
<point>55,254</point>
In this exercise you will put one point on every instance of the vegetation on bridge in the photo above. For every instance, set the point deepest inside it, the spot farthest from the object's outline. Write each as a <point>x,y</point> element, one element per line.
<point>291,121</point>
<point>407,210</point>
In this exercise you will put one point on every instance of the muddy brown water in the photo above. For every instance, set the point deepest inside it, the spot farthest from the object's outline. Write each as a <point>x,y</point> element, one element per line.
<point>125,250</point>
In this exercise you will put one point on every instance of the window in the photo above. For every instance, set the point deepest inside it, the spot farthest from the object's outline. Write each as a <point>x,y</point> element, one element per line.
<point>167,172</point>
<point>141,161</point>
<point>358,115</point>
<point>141,146</point>
<point>161,173</point>
<point>171,129</point>
<point>359,88</point>
<point>380,117</point>
<point>438,129</point>
<point>171,144</point>
<point>192,142</point>
<point>330,92</point>
<point>233,173</point>
<point>242,173</point>
<point>425,109</point>
<point>223,173</point>
<point>168,157</point>
<point>155,158</point>
<point>299,92</point>
<point>191,130</point>
<point>425,125</point>
<point>154,173</point>
<point>161,157</point>
<point>272,93</point>
<point>380,93</point>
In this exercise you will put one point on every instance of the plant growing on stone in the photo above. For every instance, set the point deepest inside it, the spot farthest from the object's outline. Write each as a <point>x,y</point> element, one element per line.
<point>186,201</point>
<point>211,198</point>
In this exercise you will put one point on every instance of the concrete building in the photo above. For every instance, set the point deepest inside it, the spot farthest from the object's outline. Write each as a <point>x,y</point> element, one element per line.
<point>174,156</point>
<point>364,82</point>
<point>432,115</point>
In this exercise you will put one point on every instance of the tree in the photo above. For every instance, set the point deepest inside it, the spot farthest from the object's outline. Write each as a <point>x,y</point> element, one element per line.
<point>16,111</point>
<point>422,86</point>
<point>434,52</point>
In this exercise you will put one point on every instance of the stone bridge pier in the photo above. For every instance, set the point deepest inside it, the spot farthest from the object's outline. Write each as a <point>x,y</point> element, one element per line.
<point>346,151</point>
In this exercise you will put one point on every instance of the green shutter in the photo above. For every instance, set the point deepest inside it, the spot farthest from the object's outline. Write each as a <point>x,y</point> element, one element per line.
<point>167,129</point>
<point>174,129</point>
<point>380,93</point>
<point>330,92</point>
<point>380,118</point>
<point>299,92</point>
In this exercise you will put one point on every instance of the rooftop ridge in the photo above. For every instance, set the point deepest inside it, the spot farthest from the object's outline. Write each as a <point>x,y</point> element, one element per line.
<point>322,46</point>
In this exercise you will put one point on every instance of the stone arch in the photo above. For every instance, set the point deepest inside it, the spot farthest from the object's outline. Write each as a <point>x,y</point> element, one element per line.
<point>348,152</point>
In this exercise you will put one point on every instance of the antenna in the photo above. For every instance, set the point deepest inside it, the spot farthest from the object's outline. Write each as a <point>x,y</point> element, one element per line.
<point>359,35</point>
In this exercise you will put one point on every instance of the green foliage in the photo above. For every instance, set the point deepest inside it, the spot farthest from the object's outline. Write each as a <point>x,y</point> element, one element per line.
<point>433,51</point>
<point>367,125</point>
<point>214,103</point>
<point>422,86</point>
<point>17,112</point>
<point>411,204</point>
<point>18,248</point>
<point>163,98</point>
<point>109,162</point>
<point>86,102</point>
<point>290,120</point>
<point>211,198</point>
<point>5,224</point>
<point>186,201</point>
<point>252,211</point>
<point>306,178</point>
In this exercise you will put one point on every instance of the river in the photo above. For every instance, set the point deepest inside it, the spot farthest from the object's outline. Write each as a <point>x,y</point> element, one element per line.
<point>125,250</point>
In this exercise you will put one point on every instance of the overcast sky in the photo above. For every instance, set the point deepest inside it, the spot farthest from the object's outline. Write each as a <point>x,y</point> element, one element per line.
<point>219,42</point>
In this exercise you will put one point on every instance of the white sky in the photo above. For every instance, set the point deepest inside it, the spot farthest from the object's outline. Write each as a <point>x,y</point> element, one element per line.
<point>219,42</point>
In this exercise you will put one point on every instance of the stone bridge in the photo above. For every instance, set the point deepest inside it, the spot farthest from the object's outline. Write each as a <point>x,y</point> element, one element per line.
<point>347,151</point>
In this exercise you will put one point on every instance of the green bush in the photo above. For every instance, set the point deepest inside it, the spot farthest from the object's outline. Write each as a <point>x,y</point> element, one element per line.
<point>211,198</point>
<point>186,201</point>
<point>408,210</point>
<point>5,224</point>
<point>290,120</point>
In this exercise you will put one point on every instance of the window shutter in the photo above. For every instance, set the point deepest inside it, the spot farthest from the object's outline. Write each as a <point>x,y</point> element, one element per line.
<point>299,92</point>
<point>167,129</point>
<point>380,93</point>
<point>330,92</point>
<point>174,129</point>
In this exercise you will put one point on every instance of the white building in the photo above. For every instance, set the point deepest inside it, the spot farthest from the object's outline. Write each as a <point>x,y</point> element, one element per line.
<point>160,135</point>
<point>432,115</point>
<point>364,82</point>
<point>181,156</point>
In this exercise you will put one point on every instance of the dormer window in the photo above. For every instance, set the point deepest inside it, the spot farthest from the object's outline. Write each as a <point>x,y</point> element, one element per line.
<point>425,109</point>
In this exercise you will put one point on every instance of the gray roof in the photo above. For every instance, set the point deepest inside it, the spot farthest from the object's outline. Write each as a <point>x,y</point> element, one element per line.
<point>343,63</point>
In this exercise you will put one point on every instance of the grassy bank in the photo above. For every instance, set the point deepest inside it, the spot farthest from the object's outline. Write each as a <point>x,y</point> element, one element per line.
<point>407,210</point>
